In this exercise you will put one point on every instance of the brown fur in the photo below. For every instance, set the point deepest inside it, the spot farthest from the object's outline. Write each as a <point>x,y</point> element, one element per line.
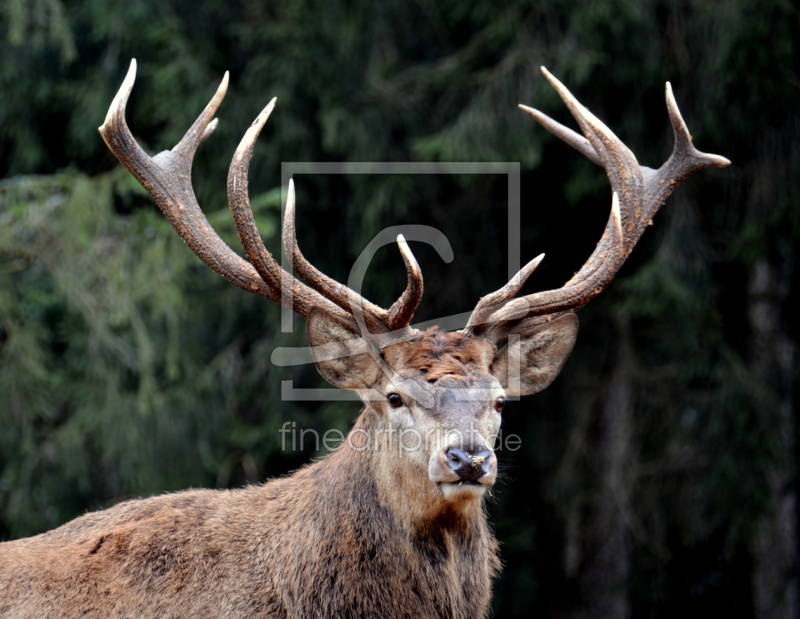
<point>264,551</point>
<point>361,533</point>
<point>329,541</point>
<point>441,354</point>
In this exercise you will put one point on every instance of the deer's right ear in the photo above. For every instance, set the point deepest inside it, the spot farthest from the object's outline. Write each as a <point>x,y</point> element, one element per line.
<point>533,359</point>
<point>340,353</point>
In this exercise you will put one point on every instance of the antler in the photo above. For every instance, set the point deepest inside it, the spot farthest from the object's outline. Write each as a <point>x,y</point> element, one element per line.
<point>638,193</point>
<point>167,178</point>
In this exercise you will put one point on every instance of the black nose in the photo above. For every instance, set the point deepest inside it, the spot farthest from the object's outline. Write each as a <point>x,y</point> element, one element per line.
<point>469,464</point>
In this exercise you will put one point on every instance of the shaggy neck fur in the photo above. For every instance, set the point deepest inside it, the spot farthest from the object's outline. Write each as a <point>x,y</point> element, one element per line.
<point>400,550</point>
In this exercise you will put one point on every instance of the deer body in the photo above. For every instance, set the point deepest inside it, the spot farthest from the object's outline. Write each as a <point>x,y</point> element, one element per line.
<point>391,524</point>
<point>363,532</point>
<point>317,544</point>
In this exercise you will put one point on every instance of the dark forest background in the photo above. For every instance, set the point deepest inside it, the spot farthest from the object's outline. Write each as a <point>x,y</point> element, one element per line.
<point>657,475</point>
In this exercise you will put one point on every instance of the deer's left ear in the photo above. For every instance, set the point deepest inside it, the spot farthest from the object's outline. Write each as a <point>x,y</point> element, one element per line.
<point>533,358</point>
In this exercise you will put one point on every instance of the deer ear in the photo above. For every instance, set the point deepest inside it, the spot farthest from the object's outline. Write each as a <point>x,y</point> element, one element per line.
<point>533,357</point>
<point>340,353</point>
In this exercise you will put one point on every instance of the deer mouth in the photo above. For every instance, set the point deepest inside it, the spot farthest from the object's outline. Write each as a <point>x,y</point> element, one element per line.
<point>461,489</point>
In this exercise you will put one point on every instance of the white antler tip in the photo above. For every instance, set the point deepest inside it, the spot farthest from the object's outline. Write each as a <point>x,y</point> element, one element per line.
<point>251,135</point>
<point>264,115</point>
<point>212,126</point>
<point>223,88</point>
<point>408,255</point>
<point>405,250</point>
<point>670,95</point>
<point>121,98</point>
<point>288,212</point>
<point>529,268</point>
<point>290,195</point>
<point>719,161</point>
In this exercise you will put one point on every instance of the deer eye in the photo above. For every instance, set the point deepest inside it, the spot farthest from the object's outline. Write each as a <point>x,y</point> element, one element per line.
<point>395,401</point>
<point>499,404</point>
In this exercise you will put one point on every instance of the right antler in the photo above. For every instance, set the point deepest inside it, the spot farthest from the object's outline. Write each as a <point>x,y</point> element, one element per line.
<point>167,178</point>
<point>639,192</point>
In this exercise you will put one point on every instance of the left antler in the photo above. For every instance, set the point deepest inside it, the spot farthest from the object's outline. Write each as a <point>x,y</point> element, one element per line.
<point>639,192</point>
<point>168,178</point>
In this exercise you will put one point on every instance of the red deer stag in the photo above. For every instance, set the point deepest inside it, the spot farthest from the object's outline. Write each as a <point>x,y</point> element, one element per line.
<point>371,530</point>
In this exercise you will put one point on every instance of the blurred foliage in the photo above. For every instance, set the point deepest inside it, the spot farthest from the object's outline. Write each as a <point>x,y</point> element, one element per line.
<point>127,369</point>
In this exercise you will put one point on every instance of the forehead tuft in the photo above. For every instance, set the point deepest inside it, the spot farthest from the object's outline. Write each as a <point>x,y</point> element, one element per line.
<point>441,354</point>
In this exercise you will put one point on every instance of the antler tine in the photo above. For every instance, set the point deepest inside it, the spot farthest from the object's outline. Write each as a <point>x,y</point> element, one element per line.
<point>167,177</point>
<point>301,298</point>
<point>491,302</point>
<point>685,158</point>
<point>325,286</point>
<point>638,193</point>
<point>402,311</point>
<point>577,141</point>
<point>396,317</point>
